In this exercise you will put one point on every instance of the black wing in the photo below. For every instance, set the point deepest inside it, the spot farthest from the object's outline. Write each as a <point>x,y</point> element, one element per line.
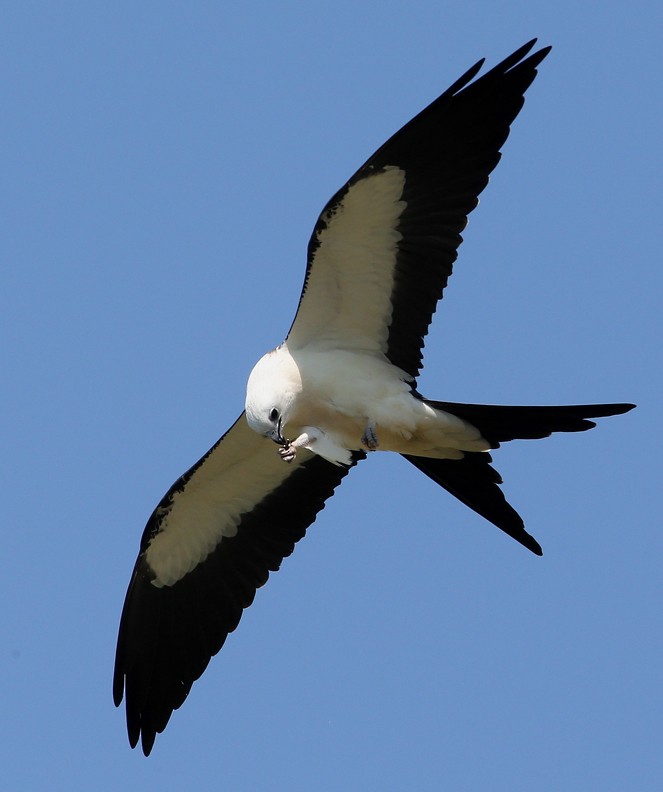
<point>211,542</point>
<point>383,248</point>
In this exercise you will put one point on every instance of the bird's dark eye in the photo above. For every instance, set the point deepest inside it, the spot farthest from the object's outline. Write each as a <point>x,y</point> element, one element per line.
<point>273,415</point>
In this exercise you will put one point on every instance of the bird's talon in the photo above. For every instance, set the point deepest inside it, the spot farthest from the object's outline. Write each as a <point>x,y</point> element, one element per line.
<point>287,453</point>
<point>370,439</point>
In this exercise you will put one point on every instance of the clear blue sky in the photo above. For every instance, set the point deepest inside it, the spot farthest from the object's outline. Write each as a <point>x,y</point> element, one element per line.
<point>163,165</point>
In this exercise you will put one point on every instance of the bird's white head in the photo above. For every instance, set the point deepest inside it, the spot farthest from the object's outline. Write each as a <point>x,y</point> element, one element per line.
<point>271,393</point>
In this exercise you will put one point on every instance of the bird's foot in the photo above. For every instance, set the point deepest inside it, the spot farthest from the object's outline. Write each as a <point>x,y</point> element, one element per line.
<point>287,452</point>
<point>370,439</point>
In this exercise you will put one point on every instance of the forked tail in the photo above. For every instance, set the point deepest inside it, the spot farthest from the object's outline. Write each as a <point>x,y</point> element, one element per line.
<point>475,482</point>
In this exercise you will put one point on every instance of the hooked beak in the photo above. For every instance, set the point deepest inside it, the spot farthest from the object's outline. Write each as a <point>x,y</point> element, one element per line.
<point>276,435</point>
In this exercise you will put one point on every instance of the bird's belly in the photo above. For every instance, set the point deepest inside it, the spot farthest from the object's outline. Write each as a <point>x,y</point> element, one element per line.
<point>398,421</point>
<point>344,393</point>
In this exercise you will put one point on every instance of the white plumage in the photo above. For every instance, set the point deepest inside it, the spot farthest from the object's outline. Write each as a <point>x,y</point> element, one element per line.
<point>327,400</point>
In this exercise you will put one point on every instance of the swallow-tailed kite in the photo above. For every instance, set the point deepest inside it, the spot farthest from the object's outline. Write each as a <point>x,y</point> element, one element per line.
<point>342,384</point>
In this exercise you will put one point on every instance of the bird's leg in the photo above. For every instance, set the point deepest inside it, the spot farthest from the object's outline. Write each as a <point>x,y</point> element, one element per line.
<point>288,451</point>
<point>370,439</point>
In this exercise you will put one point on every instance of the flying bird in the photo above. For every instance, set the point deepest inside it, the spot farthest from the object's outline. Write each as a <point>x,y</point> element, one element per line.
<point>341,385</point>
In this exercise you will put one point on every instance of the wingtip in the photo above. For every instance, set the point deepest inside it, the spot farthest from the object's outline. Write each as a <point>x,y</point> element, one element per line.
<point>147,743</point>
<point>134,736</point>
<point>530,45</point>
<point>118,690</point>
<point>513,61</point>
<point>526,47</point>
<point>517,57</point>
